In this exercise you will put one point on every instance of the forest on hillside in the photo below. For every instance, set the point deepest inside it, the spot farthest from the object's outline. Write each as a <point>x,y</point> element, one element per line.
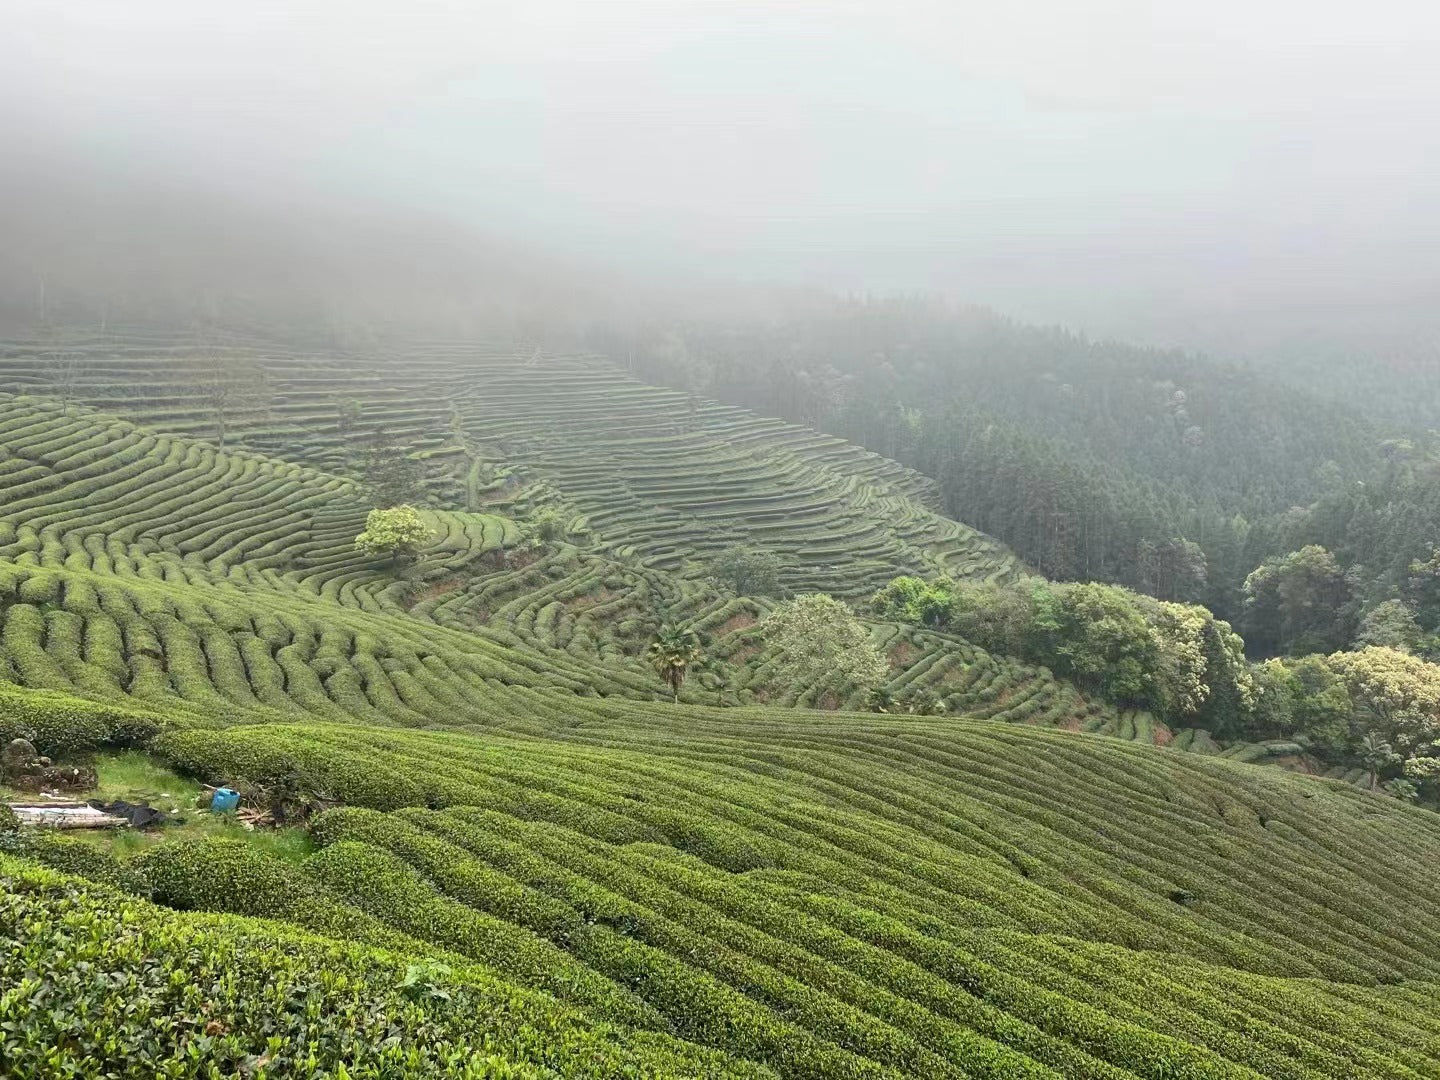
<point>1171,473</point>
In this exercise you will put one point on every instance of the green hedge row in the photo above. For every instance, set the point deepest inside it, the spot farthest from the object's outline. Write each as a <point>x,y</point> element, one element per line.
<point>100,984</point>
<point>61,724</point>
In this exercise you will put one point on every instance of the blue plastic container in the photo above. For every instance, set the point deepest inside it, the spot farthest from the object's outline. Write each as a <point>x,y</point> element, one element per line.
<point>224,800</point>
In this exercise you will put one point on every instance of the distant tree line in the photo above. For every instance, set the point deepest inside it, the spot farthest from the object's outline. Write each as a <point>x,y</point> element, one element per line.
<point>1377,706</point>
<point>1165,472</point>
<point>1175,660</point>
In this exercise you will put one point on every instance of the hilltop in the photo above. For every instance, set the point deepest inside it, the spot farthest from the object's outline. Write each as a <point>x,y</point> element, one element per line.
<point>520,858</point>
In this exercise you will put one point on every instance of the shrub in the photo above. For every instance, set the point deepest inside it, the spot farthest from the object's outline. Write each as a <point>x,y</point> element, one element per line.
<point>210,874</point>
<point>71,855</point>
<point>60,725</point>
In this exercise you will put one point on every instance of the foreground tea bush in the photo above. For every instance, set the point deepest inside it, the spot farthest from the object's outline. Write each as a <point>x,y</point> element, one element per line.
<point>94,983</point>
<point>830,896</point>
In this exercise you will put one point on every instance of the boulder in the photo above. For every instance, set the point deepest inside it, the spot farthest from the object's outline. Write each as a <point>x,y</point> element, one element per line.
<point>19,758</point>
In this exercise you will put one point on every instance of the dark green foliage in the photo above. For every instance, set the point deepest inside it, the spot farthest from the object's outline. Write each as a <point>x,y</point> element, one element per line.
<point>1423,588</point>
<point>1163,471</point>
<point>1089,458</point>
<point>1298,604</point>
<point>1177,661</point>
<point>748,571</point>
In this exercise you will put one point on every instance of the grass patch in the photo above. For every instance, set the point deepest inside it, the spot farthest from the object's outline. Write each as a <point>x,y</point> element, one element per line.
<point>136,777</point>
<point>292,845</point>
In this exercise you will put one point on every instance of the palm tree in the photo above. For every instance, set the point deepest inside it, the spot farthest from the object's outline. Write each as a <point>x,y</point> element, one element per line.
<point>1375,754</point>
<point>671,654</point>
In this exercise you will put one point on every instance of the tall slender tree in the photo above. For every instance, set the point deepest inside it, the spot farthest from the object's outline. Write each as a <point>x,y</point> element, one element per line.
<point>672,654</point>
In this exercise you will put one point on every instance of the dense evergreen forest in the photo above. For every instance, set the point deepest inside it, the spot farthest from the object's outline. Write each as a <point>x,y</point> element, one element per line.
<point>1168,472</point>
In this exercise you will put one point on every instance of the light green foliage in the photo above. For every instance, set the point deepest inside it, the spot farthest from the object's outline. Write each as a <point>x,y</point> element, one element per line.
<point>547,526</point>
<point>1424,770</point>
<point>1103,641</point>
<point>925,893</point>
<point>915,600</point>
<point>221,619</point>
<point>1176,660</point>
<point>1276,691</point>
<point>1396,696</point>
<point>61,725</point>
<point>210,874</point>
<point>1184,665</point>
<point>398,532</point>
<point>820,639</point>
<point>1390,625</point>
<point>827,897</point>
<point>1320,704</point>
<point>239,997</point>
<point>1180,636</point>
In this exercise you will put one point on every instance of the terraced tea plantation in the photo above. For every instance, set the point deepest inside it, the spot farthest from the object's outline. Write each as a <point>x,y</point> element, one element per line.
<point>139,567</point>
<point>532,864</point>
<point>646,470</point>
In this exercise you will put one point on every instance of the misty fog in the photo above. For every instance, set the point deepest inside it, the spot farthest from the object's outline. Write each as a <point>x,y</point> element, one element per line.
<point>1238,177</point>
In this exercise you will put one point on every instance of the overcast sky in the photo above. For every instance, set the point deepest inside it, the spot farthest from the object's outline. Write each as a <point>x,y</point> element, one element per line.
<point>1204,173</point>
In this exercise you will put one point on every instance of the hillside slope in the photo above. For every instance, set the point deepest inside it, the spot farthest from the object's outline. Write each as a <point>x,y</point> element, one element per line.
<point>652,471</point>
<point>143,566</point>
<point>501,433</point>
<point>862,896</point>
<point>539,868</point>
